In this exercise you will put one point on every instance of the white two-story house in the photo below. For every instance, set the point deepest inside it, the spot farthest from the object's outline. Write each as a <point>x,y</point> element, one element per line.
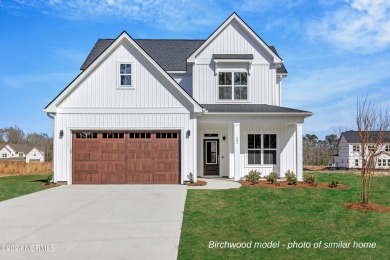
<point>22,152</point>
<point>156,111</point>
<point>350,157</point>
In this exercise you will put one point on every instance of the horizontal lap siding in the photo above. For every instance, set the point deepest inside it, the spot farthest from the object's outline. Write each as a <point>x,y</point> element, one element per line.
<point>68,122</point>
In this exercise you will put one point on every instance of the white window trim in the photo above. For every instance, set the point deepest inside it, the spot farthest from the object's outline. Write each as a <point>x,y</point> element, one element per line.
<point>262,165</point>
<point>118,75</point>
<point>357,146</point>
<point>232,70</point>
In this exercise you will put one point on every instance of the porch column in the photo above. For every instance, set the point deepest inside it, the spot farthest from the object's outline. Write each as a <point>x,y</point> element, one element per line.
<point>299,152</point>
<point>237,157</point>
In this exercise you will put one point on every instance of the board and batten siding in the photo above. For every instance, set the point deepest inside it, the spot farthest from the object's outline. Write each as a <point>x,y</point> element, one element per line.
<point>125,122</point>
<point>286,147</point>
<point>262,85</point>
<point>100,88</point>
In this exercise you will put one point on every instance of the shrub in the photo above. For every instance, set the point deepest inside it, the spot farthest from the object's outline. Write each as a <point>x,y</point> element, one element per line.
<point>291,178</point>
<point>333,184</point>
<point>191,177</point>
<point>272,177</point>
<point>49,179</point>
<point>310,178</point>
<point>253,177</point>
<point>276,183</point>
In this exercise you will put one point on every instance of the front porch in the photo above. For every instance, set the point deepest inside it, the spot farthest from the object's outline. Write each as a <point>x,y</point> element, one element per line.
<point>231,146</point>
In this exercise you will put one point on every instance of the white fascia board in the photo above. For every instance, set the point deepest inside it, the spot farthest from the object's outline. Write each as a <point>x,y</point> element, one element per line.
<point>52,108</point>
<point>235,17</point>
<point>304,115</point>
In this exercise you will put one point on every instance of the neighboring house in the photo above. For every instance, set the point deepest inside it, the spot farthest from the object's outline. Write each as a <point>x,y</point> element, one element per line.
<point>349,156</point>
<point>22,152</point>
<point>154,111</point>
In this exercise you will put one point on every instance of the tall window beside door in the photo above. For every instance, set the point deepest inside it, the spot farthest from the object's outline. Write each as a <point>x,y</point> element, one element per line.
<point>262,149</point>
<point>232,86</point>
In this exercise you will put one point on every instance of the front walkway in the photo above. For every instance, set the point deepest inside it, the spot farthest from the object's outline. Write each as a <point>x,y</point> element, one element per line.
<point>94,222</point>
<point>216,184</point>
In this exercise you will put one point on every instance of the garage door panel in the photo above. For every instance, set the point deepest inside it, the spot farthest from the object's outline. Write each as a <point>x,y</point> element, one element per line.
<point>140,178</point>
<point>82,178</point>
<point>112,178</point>
<point>134,157</point>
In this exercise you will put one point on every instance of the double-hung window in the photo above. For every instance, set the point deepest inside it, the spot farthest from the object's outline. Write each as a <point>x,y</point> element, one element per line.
<point>356,148</point>
<point>262,149</point>
<point>125,75</point>
<point>233,85</point>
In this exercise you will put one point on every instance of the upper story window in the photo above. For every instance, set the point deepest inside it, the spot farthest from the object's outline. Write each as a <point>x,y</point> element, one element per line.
<point>4,155</point>
<point>387,148</point>
<point>356,148</point>
<point>233,85</point>
<point>125,75</point>
<point>21,155</point>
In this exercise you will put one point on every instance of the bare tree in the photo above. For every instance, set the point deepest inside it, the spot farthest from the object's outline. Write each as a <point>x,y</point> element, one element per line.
<point>14,135</point>
<point>372,123</point>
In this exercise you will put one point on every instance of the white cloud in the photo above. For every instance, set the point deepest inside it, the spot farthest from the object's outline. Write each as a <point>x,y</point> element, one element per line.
<point>358,25</point>
<point>170,14</point>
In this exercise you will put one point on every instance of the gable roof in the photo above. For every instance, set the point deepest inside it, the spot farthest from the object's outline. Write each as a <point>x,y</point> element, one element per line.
<point>252,108</point>
<point>24,148</point>
<point>353,136</point>
<point>171,55</point>
<point>235,17</point>
<point>107,47</point>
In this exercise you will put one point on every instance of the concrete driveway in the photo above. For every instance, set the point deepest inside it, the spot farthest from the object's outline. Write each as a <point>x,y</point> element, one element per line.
<point>94,222</point>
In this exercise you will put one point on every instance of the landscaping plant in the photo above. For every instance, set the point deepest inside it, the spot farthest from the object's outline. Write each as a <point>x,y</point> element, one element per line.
<point>253,177</point>
<point>310,178</point>
<point>272,177</point>
<point>291,178</point>
<point>334,184</point>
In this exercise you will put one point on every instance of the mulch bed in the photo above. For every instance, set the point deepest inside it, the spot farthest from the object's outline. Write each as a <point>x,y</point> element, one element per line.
<point>198,183</point>
<point>369,206</point>
<point>284,184</point>
<point>49,185</point>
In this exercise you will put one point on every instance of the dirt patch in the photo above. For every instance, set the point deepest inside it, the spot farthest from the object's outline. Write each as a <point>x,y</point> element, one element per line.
<point>48,185</point>
<point>369,206</point>
<point>198,183</point>
<point>284,184</point>
<point>307,167</point>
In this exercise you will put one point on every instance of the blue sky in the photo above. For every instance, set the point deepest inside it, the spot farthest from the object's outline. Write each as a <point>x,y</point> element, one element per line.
<point>335,51</point>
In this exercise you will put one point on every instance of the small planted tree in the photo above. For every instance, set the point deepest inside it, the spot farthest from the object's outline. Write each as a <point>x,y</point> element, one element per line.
<point>372,123</point>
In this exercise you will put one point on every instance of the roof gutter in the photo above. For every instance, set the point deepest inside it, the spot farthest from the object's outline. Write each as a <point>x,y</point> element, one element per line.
<point>51,115</point>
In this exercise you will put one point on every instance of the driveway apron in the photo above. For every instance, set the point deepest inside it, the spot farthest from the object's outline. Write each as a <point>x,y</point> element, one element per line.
<point>94,222</point>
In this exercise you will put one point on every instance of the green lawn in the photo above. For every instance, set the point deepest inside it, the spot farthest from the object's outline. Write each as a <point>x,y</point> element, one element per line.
<point>15,186</point>
<point>286,215</point>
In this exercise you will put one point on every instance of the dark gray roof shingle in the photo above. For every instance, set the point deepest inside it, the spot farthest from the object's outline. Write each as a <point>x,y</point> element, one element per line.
<point>233,56</point>
<point>282,69</point>
<point>171,55</point>
<point>353,136</point>
<point>249,108</point>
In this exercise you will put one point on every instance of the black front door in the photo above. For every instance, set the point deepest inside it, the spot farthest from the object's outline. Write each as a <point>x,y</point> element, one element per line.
<point>211,157</point>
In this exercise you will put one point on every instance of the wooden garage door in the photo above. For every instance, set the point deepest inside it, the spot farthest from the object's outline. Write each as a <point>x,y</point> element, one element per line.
<point>126,157</point>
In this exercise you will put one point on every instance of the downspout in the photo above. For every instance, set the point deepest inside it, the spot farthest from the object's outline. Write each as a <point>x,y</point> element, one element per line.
<point>51,115</point>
